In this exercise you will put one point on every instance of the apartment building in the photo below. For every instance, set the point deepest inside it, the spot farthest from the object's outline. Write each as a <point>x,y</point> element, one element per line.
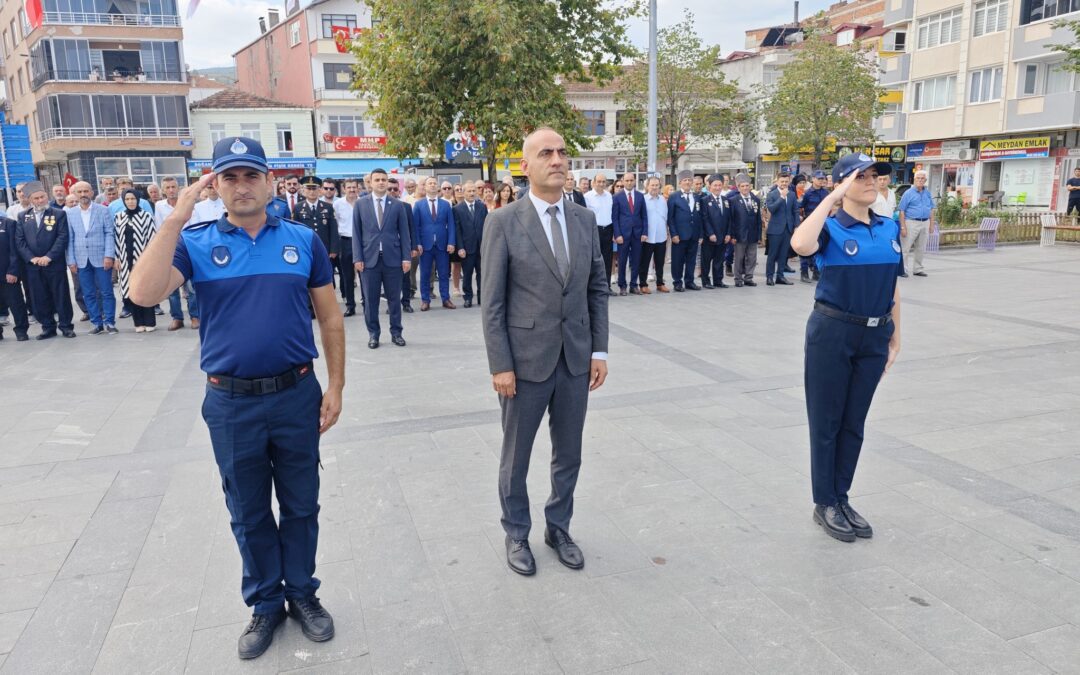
<point>297,60</point>
<point>987,108</point>
<point>101,85</point>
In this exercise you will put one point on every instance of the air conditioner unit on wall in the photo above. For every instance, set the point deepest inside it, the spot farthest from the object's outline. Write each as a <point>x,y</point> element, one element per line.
<point>968,153</point>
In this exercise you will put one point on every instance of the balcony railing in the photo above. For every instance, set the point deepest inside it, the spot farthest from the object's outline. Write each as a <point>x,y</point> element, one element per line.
<point>169,76</point>
<point>113,132</point>
<point>93,19</point>
<point>324,94</point>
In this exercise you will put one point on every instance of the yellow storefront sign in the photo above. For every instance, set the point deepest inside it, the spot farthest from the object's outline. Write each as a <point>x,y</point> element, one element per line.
<point>1015,148</point>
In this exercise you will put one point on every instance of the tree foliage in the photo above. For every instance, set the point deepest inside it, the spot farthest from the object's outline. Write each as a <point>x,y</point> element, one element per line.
<point>433,66</point>
<point>696,105</point>
<point>825,93</point>
<point>1071,50</point>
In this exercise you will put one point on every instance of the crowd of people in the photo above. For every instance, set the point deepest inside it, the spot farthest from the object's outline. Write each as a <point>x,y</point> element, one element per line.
<point>702,231</point>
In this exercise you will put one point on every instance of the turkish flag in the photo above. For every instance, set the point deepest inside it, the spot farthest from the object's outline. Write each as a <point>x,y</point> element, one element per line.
<point>34,14</point>
<point>342,37</point>
<point>69,181</point>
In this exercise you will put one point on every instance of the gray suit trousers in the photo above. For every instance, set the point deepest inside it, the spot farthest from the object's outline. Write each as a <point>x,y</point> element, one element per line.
<point>565,398</point>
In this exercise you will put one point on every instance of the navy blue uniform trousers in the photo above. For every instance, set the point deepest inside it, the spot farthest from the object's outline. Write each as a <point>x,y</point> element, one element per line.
<point>373,282</point>
<point>259,442</point>
<point>50,296</point>
<point>844,363</point>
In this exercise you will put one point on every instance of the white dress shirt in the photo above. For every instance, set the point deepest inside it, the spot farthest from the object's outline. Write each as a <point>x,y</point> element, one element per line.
<point>600,203</point>
<point>885,205</point>
<point>343,213</point>
<point>541,211</point>
<point>208,209</point>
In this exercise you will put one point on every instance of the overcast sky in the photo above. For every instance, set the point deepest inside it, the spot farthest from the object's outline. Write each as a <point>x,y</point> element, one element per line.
<point>220,27</point>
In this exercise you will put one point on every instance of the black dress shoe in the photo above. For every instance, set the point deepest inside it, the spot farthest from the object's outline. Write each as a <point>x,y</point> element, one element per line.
<point>707,285</point>
<point>315,622</point>
<point>623,291</point>
<point>350,312</point>
<point>519,556</point>
<point>569,552</point>
<point>815,275</point>
<point>635,290</point>
<point>920,274</point>
<point>692,287</point>
<point>903,275</point>
<point>783,281</point>
<point>858,523</point>
<point>749,282</point>
<point>834,523</point>
<point>68,333</point>
<point>21,337</point>
<point>679,288</point>
<point>769,282</point>
<point>788,270</point>
<point>45,335</point>
<point>373,343</point>
<point>258,635</point>
<point>468,303</point>
<point>721,284</point>
<point>739,283</point>
<point>804,277</point>
<point>398,340</point>
<point>407,309</point>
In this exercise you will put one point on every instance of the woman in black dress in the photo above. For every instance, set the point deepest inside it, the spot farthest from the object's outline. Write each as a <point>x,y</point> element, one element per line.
<point>134,229</point>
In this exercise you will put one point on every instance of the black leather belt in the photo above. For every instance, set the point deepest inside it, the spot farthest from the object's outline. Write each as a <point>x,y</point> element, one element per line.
<point>869,321</point>
<point>261,385</point>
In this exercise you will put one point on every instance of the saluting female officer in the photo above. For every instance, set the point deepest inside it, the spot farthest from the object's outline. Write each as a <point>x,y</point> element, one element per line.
<point>853,334</point>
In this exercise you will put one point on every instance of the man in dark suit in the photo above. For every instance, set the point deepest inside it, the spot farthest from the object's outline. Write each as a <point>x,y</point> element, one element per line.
<point>628,215</point>
<point>745,231</point>
<point>572,193</point>
<point>545,320</point>
<point>319,216</point>
<point>41,239</point>
<point>380,248</point>
<point>436,235</point>
<point>717,221</point>
<point>407,276</point>
<point>684,223</point>
<point>783,208</point>
<point>469,215</point>
<point>12,270</point>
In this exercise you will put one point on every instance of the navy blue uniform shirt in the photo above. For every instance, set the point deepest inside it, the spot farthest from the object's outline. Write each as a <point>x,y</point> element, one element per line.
<point>253,294</point>
<point>859,264</point>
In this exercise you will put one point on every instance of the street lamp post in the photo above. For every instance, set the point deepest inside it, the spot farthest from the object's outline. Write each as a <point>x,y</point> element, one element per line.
<point>652,87</point>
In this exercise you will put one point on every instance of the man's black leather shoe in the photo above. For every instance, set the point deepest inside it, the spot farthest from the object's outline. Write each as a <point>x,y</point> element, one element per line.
<point>398,340</point>
<point>45,335</point>
<point>407,309</point>
<point>373,343</point>
<point>569,552</point>
<point>739,283</point>
<point>783,281</point>
<point>815,275</point>
<point>679,288</point>
<point>858,523</point>
<point>21,337</point>
<point>315,622</point>
<point>519,556</point>
<point>350,312</point>
<point>692,287</point>
<point>468,303</point>
<point>749,282</point>
<point>68,333</point>
<point>259,634</point>
<point>834,523</point>
<point>804,277</point>
<point>920,274</point>
<point>721,284</point>
<point>769,282</point>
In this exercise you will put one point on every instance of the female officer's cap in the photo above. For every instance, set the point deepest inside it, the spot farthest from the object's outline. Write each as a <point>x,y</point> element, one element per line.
<point>857,161</point>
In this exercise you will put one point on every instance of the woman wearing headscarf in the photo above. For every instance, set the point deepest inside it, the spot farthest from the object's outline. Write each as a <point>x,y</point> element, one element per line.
<point>134,229</point>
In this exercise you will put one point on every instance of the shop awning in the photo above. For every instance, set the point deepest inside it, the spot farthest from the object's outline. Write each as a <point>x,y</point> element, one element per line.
<point>356,168</point>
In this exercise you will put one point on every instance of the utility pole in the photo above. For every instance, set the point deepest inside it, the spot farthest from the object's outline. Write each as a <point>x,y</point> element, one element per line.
<point>652,87</point>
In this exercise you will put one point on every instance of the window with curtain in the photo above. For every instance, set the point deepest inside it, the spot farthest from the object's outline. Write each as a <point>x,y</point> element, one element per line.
<point>934,93</point>
<point>985,85</point>
<point>940,29</point>
<point>991,16</point>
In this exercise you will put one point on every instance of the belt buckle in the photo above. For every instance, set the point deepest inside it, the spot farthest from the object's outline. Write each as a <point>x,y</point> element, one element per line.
<point>873,322</point>
<point>265,385</point>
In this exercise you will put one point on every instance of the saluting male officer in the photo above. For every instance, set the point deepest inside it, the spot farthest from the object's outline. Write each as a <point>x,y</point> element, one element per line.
<point>255,275</point>
<point>318,215</point>
<point>810,200</point>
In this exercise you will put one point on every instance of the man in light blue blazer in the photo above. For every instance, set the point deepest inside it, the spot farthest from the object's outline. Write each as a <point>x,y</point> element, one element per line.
<point>436,237</point>
<point>91,251</point>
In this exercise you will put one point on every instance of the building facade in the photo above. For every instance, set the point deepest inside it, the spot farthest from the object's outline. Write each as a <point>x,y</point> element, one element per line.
<point>297,60</point>
<point>101,85</point>
<point>283,129</point>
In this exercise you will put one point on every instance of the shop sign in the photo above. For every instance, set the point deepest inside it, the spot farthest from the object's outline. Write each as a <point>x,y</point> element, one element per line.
<point>1015,148</point>
<point>356,143</point>
<point>892,154</point>
<point>931,150</point>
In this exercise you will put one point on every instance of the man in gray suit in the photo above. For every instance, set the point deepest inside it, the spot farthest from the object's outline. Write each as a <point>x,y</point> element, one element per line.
<point>382,247</point>
<point>545,318</point>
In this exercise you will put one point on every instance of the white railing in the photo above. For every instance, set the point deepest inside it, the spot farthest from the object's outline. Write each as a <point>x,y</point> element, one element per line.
<point>93,19</point>
<point>322,94</point>
<point>113,132</point>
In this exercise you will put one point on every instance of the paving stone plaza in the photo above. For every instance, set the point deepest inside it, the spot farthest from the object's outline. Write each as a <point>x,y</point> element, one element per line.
<point>693,508</point>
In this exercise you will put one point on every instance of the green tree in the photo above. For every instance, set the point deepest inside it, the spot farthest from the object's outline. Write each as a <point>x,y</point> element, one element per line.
<point>1071,50</point>
<point>490,66</point>
<point>827,93</point>
<point>696,106</point>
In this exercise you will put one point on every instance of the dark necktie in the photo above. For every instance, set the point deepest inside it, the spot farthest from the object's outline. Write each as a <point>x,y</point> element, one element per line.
<point>630,199</point>
<point>434,211</point>
<point>558,243</point>
<point>379,212</point>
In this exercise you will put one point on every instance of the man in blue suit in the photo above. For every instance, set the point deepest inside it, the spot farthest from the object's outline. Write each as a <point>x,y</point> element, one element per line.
<point>436,236</point>
<point>783,208</point>
<point>91,251</point>
<point>41,238</point>
<point>380,245</point>
<point>470,215</point>
<point>12,271</point>
<point>717,222</point>
<point>628,216</point>
<point>684,224</point>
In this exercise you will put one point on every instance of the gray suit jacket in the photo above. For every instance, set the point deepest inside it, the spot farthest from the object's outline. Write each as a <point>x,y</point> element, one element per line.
<point>529,316</point>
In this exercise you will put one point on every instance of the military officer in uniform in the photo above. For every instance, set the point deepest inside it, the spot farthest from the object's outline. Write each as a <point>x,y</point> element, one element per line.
<point>255,275</point>
<point>717,221</point>
<point>41,239</point>
<point>319,216</point>
<point>808,271</point>
<point>852,336</point>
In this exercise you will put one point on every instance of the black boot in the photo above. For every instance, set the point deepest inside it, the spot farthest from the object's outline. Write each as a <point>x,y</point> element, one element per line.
<point>832,520</point>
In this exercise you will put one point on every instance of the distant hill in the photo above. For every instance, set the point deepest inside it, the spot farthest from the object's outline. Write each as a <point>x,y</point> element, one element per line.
<point>223,74</point>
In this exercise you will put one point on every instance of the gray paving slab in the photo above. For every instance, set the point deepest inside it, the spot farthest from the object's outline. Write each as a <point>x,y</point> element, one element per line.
<point>693,505</point>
